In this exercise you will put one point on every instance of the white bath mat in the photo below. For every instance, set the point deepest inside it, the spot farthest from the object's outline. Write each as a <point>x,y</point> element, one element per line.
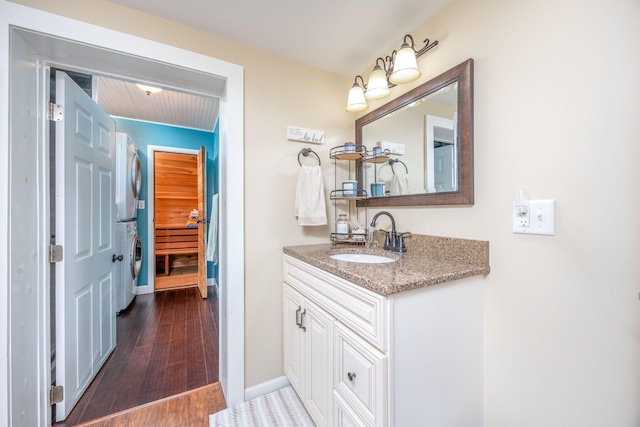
<point>282,408</point>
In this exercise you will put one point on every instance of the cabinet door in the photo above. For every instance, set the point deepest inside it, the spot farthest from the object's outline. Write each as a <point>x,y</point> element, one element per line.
<point>292,337</point>
<point>317,327</point>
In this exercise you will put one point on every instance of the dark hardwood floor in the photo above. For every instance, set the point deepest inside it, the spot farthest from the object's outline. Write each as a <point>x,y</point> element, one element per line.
<point>167,343</point>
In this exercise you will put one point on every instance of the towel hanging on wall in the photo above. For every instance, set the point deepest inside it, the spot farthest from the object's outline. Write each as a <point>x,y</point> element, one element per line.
<point>212,242</point>
<point>310,207</point>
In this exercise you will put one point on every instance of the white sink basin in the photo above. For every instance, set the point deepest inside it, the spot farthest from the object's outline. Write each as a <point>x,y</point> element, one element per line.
<point>362,258</point>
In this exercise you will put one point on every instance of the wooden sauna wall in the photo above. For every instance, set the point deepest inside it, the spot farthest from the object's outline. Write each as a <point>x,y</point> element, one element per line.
<point>176,194</point>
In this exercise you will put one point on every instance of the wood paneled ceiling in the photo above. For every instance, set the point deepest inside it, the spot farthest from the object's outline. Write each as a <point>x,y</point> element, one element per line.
<point>124,99</point>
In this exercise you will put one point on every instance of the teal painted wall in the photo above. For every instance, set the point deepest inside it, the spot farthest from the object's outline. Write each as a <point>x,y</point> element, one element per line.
<point>145,134</point>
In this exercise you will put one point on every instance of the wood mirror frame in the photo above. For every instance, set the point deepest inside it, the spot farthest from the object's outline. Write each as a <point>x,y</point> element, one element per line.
<point>463,74</point>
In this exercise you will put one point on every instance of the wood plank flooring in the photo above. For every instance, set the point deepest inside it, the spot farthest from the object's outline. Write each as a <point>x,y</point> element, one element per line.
<point>167,343</point>
<point>190,409</point>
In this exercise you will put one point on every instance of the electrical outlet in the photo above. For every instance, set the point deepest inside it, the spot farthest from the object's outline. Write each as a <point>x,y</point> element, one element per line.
<point>140,204</point>
<point>521,219</point>
<point>540,219</point>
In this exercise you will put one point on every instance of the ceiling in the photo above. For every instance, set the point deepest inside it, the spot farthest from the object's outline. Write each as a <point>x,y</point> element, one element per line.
<point>343,37</point>
<point>124,99</point>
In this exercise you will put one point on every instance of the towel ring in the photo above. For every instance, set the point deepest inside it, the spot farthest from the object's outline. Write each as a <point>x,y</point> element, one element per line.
<point>305,152</point>
<point>392,161</point>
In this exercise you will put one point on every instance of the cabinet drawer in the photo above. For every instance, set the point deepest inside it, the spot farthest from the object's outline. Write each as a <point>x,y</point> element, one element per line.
<point>364,311</point>
<point>344,415</point>
<point>361,376</point>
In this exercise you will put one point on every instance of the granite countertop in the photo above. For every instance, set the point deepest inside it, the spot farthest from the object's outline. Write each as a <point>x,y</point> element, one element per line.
<point>429,260</point>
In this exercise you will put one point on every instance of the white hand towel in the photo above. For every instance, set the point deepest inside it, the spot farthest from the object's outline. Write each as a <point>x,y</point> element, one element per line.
<point>399,184</point>
<point>310,208</point>
<point>212,242</point>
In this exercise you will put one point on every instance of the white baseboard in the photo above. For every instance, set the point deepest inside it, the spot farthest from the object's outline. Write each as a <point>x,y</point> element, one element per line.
<point>140,290</point>
<point>266,388</point>
<point>213,282</point>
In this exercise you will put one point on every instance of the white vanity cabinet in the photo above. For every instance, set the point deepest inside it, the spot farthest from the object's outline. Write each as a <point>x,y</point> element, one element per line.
<point>358,358</point>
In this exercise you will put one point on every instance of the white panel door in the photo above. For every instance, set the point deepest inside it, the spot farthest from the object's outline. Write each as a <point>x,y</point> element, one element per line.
<point>85,227</point>
<point>444,168</point>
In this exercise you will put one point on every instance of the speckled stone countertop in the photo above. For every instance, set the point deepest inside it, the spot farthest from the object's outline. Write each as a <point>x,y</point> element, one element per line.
<point>429,260</point>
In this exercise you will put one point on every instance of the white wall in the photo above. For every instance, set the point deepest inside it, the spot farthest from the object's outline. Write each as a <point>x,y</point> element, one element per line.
<point>277,92</point>
<point>557,98</point>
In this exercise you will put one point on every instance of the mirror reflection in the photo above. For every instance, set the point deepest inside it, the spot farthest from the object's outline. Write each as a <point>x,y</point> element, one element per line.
<point>420,145</point>
<point>417,145</point>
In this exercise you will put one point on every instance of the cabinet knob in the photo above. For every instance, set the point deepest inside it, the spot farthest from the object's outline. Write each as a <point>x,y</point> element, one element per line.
<point>351,376</point>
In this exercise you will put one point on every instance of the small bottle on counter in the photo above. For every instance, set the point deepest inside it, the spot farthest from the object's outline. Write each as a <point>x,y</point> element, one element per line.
<point>343,227</point>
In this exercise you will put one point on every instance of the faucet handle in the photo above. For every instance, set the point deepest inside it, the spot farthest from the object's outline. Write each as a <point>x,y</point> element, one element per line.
<point>387,240</point>
<point>401,247</point>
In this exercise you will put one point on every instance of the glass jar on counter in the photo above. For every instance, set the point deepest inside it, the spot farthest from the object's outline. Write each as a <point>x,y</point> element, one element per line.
<point>343,228</point>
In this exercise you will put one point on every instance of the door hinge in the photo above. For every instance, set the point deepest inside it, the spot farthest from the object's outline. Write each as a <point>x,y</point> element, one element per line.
<point>56,112</point>
<point>56,394</point>
<point>55,253</point>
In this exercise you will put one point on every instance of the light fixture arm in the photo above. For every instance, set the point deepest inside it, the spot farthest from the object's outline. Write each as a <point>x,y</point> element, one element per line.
<point>362,84</point>
<point>387,67</point>
<point>404,58</point>
<point>392,58</point>
<point>424,49</point>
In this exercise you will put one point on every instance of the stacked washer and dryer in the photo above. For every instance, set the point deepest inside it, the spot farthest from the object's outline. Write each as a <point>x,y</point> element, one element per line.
<point>128,184</point>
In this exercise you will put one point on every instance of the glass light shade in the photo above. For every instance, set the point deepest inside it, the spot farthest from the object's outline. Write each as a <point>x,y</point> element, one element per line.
<point>149,89</point>
<point>377,87</point>
<point>356,100</point>
<point>405,67</point>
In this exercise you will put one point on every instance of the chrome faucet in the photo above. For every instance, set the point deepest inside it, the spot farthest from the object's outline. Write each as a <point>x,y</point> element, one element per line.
<point>394,241</point>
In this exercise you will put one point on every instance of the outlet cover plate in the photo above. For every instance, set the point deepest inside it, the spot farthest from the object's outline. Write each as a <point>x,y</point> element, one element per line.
<point>541,218</point>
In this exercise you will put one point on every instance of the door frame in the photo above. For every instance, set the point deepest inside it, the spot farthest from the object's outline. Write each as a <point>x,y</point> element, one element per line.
<point>24,301</point>
<point>151,203</point>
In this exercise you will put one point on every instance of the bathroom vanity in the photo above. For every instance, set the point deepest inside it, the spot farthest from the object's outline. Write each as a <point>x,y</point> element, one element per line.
<point>390,344</point>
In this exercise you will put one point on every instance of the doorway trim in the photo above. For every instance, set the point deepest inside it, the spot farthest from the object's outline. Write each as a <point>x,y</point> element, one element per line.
<point>25,303</point>
<point>151,203</point>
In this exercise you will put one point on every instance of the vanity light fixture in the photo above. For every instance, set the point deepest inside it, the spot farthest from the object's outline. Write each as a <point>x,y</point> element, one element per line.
<point>405,64</point>
<point>356,101</point>
<point>149,89</point>
<point>399,67</point>
<point>378,85</point>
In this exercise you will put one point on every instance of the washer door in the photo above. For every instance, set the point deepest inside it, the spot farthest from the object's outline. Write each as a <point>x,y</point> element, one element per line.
<point>136,256</point>
<point>136,175</point>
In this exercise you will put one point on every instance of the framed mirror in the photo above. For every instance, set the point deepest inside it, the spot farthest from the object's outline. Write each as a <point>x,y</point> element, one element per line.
<point>420,145</point>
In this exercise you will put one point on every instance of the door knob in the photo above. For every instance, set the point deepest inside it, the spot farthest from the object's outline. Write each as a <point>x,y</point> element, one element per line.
<point>115,258</point>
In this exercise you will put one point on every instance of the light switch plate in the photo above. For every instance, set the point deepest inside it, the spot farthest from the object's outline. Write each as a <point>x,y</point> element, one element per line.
<point>541,218</point>
<point>140,204</point>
